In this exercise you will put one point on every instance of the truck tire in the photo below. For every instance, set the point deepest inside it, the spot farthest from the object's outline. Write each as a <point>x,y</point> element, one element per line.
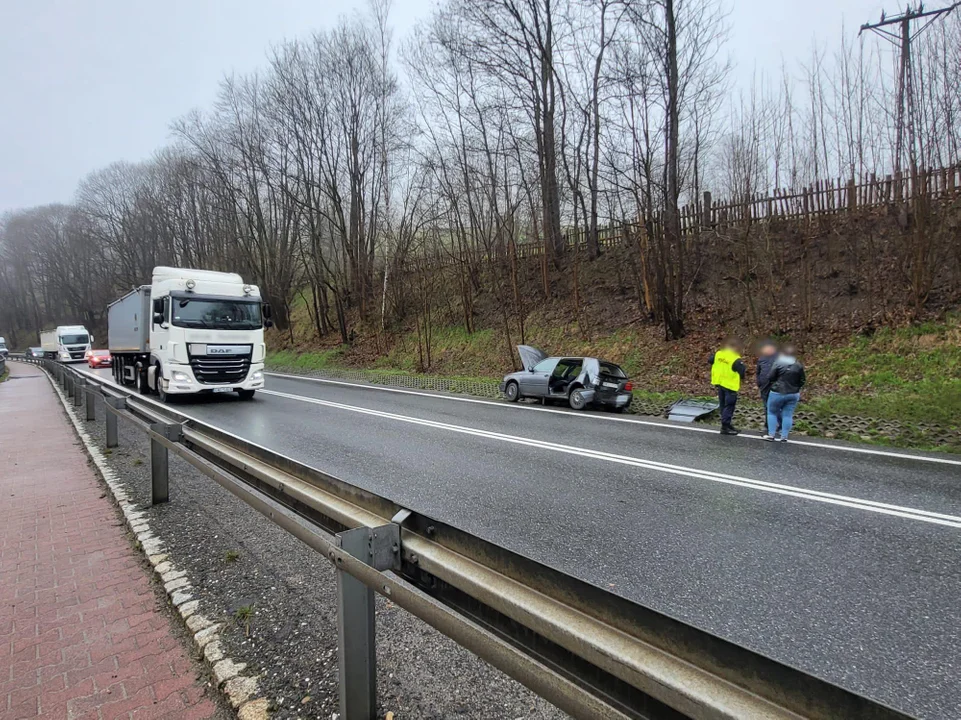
<point>159,379</point>
<point>246,394</point>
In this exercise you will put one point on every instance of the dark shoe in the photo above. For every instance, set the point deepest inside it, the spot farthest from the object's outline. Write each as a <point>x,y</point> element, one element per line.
<point>729,430</point>
<point>782,439</point>
<point>769,438</point>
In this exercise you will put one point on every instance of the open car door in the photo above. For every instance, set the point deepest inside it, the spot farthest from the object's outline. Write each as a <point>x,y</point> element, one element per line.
<point>530,356</point>
<point>590,375</point>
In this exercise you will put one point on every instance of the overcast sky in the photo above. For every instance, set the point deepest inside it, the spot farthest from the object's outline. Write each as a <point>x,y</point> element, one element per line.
<point>86,82</point>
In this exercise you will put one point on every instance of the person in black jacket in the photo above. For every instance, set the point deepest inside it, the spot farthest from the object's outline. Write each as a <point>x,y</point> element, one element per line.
<point>787,378</point>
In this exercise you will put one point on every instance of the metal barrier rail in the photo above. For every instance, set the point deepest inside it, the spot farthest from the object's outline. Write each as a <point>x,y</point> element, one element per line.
<point>590,652</point>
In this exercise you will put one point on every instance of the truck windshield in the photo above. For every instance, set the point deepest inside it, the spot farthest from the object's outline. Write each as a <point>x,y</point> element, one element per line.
<point>73,340</point>
<point>217,314</point>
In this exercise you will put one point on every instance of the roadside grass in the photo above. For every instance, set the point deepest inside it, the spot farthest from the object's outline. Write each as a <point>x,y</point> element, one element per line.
<point>910,375</point>
<point>314,360</point>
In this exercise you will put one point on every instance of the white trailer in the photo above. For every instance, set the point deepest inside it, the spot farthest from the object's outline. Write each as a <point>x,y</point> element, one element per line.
<point>67,343</point>
<point>189,332</point>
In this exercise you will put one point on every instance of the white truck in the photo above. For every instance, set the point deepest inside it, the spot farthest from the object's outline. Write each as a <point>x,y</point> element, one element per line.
<point>3,347</point>
<point>67,343</point>
<point>189,332</point>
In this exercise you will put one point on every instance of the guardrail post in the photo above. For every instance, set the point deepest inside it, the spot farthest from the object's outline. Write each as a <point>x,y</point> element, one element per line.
<point>117,403</point>
<point>355,614</point>
<point>78,390</point>
<point>91,403</point>
<point>158,460</point>
<point>380,548</point>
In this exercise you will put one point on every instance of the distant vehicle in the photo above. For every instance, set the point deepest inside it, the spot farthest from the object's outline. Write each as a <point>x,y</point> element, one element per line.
<point>35,352</point>
<point>189,332</point>
<point>99,358</point>
<point>578,381</point>
<point>67,343</point>
<point>3,347</point>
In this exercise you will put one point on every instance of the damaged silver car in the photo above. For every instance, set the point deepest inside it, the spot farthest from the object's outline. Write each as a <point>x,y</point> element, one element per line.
<point>577,381</point>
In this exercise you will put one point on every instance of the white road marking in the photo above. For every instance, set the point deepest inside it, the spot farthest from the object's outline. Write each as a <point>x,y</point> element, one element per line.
<point>609,418</point>
<point>909,513</point>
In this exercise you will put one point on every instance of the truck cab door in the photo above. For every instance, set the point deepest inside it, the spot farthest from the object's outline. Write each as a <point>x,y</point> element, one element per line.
<point>160,325</point>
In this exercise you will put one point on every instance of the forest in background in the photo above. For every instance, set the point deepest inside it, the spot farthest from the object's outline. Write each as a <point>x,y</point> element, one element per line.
<point>391,188</point>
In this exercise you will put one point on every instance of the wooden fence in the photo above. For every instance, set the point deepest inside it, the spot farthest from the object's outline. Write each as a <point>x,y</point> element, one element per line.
<point>827,197</point>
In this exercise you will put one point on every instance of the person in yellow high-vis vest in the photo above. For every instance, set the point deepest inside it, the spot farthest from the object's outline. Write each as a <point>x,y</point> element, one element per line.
<point>727,372</point>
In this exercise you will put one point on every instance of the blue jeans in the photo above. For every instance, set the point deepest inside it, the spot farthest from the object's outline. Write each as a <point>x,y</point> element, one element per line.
<point>781,407</point>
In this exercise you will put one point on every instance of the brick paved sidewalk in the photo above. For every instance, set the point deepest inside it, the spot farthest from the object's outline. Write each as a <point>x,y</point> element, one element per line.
<point>81,634</point>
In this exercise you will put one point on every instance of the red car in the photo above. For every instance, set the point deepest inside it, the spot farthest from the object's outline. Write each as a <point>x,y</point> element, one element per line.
<point>99,358</point>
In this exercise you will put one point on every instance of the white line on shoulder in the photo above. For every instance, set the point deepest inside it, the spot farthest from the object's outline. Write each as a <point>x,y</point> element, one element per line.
<point>607,418</point>
<point>873,506</point>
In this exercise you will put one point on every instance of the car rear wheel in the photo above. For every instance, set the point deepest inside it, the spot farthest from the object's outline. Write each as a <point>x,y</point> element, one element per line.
<point>576,400</point>
<point>512,392</point>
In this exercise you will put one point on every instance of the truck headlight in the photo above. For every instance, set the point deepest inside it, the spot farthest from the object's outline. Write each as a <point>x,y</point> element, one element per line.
<point>257,375</point>
<point>64,356</point>
<point>178,376</point>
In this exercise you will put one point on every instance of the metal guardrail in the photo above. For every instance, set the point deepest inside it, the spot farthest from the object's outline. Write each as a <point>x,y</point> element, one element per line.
<point>590,652</point>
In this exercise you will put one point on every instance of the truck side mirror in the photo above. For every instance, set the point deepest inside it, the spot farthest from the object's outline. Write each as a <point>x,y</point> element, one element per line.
<point>158,318</point>
<point>268,313</point>
<point>268,323</point>
<point>158,307</point>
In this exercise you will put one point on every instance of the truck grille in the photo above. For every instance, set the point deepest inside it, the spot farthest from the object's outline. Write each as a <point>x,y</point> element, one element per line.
<point>219,370</point>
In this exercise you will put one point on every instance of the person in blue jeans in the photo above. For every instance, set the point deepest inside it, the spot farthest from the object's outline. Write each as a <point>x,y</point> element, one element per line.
<point>787,378</point>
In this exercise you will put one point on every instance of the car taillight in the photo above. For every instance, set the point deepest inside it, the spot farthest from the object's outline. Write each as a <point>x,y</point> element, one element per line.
<point>628,386</point>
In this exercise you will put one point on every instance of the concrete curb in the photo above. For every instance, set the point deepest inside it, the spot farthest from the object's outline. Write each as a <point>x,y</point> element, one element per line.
<point>238,689</point>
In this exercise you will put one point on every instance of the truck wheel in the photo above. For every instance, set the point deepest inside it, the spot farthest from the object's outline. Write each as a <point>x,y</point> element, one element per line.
<point>143,386</point>
<point>246,394</point>
<point>161,393</point>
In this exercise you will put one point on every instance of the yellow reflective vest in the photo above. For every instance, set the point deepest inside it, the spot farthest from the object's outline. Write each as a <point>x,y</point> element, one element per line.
<point>722,371</point>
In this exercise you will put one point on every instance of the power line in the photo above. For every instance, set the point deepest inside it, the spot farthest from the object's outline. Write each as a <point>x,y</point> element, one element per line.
<point>902,39</point>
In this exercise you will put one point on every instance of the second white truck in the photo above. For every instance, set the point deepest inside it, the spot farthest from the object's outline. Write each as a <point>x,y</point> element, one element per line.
<point>189,332</point>
<point>67,343</point>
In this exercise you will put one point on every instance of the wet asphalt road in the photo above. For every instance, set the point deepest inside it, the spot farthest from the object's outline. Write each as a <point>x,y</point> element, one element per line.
<point>863,594</point>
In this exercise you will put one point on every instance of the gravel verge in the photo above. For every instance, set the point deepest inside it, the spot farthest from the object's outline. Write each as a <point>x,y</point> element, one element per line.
<point>277,603</point>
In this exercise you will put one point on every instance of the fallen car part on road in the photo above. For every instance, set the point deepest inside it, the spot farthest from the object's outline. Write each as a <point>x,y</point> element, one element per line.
<point>587,650</point>
<point>687,411</point>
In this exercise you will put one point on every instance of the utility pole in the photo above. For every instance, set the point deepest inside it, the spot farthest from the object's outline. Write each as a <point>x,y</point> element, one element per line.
<point>901,38</point>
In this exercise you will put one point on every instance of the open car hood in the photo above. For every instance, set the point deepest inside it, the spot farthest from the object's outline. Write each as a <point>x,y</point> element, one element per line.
<point>530,356</point>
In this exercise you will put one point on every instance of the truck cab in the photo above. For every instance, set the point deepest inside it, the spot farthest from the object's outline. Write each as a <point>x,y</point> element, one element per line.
<point>67,343</point>
<point>3,347</point>
<point>189,332</point>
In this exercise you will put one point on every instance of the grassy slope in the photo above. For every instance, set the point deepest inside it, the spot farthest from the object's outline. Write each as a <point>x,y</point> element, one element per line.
<point>911,374</point>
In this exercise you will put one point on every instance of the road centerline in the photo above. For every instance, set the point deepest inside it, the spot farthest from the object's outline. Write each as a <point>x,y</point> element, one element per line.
<point>905,512</point>
<point>609,418</point>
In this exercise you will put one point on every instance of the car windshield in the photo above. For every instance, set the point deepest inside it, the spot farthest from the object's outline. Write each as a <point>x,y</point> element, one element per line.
<point>79,339</point>
<point>217,314</point>
<point>101,353</point>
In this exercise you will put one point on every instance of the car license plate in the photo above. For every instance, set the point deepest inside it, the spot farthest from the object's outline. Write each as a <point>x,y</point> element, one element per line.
<point>223,389</point>
<point>609,385</point>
